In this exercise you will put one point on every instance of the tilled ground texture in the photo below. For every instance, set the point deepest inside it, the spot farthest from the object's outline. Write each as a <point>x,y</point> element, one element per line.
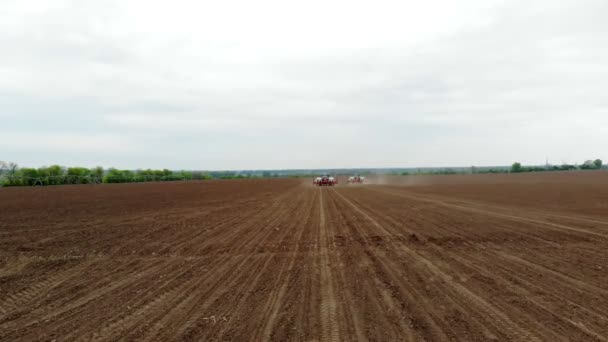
<point>512,257</point>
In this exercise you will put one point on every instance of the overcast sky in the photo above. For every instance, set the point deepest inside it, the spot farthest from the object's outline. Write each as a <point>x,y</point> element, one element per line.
<point>307,84</point>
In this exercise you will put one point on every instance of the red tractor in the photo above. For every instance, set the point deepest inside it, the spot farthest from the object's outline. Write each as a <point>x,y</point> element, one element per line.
<point>325,180</point>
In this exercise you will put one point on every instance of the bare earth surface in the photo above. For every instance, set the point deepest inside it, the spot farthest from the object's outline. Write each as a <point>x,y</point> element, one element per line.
<point>472,258</point>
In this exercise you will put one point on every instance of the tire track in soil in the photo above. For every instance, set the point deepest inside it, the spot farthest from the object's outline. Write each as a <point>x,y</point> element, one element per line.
<point>88,299</point>
<point>329,324</point>
<point>530,293</point>
<point>12,302</point>
<point>274,304</point>
<point>510,287</point>
<point>383,281</point>
<point>185,236</point>
<point>575,283</point>
<point>191,304</point>
<point>91,296</point>
<point>161,301</point>
<point>211,233</point>
<point>548,225</point>
<point>507,209</point>
<point>174,296</point>
<point>560,276</point>
<point>45,313</point>
<point>248,266</point>
<point>113,291</point>
<point>386,261</point>
<point>258,272</point>
<point>538,307</point>
<point>354,283</point>
<point>434,218</point>
<point>501,319</point>
<point>465,265</point>
<point>66,313</point>
<point>501,255</point>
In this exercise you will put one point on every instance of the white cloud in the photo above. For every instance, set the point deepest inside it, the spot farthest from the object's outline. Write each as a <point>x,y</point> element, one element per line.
<point>269,84</point>
<point>67,142</point>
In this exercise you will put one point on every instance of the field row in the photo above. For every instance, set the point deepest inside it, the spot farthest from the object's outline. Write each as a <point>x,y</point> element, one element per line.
<point>283,260</point>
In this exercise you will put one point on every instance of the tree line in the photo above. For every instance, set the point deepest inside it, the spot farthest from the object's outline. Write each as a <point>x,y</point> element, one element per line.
<point>596,164</point>
<point>12,175</point>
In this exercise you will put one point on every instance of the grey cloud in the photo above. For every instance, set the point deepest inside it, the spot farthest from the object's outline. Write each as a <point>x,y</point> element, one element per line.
<point>196,100</point>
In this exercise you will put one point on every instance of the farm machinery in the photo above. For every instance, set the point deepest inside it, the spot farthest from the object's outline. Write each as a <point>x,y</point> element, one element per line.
<point>356,179</point>
<point>325,180</point>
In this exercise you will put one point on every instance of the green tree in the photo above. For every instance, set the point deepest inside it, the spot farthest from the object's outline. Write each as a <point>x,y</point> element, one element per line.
<point>185,175</point>
<point>30,176</point>
<point>52,175</point>
<point>118,176</point>
<point>12,168</point>
<point>3,170</point>
<point>11,174</point>
<point>516,167</point>
<point>78,175</point>
<point>588,165</point>
<point>97,174</point>
<point>598,163</point>
<point>566,167</point>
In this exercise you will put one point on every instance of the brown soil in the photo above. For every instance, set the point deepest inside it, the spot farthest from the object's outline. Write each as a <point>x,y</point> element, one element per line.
<point>476,258</point>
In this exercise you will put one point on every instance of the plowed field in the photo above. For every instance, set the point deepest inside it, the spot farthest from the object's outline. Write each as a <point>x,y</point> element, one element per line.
<point>475,258</point>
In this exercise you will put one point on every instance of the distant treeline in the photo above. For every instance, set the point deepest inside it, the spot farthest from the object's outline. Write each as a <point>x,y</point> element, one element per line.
<point>138,176</point>
<point>587,165</point>
<point>515,168</point>
<point>52,175</point>
<point>12,175</point>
